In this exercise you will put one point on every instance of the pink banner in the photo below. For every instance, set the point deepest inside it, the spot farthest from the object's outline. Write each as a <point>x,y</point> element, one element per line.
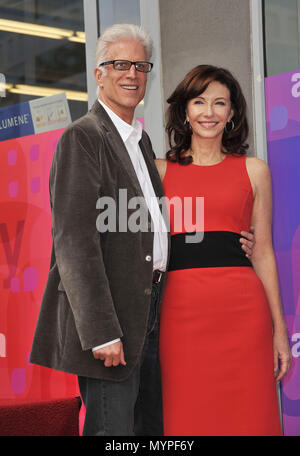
<point>283,130</point>
<point>25,234</point>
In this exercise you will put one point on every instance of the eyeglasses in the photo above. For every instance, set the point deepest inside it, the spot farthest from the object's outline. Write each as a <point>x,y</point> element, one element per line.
<point>124,65</point>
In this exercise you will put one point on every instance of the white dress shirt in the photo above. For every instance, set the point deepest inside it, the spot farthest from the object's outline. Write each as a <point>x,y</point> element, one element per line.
<point>131,135</point>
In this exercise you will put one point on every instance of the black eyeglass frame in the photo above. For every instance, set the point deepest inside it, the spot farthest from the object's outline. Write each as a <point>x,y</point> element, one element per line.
<point>112,62</point>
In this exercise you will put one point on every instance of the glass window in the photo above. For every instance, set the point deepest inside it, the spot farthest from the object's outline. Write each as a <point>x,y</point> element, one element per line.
<point>120,12</point>
<point>42,51</point>
<point>282,36</point>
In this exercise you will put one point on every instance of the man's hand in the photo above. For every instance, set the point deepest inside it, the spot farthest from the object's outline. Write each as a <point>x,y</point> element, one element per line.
<point>112,355</point>
<point>249,242</point>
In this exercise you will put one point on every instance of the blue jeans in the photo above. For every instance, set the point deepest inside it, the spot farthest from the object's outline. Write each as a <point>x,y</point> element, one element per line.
<point>133,406</point>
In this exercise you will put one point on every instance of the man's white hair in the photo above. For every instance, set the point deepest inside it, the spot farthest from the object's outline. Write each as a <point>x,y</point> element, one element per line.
<point>119,32</point>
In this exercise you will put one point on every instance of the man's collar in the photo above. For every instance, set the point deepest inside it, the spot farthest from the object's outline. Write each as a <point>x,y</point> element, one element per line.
<point>124,129</point>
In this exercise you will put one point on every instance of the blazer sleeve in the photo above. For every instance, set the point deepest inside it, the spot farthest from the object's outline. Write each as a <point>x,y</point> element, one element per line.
<point>75,182</point>
<point>149,144</point>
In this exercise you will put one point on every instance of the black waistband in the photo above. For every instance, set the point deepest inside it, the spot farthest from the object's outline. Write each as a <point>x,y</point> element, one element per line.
<point>216,249</point>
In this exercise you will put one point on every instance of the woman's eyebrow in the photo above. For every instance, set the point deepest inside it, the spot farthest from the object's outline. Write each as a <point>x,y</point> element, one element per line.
<point>218,98</point>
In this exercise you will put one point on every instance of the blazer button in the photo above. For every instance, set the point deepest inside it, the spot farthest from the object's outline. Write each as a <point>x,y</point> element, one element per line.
<point>148,258</point>
<point>148,291</point>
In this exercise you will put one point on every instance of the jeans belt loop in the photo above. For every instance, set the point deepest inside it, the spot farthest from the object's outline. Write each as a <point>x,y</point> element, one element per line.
<point>157,275</point>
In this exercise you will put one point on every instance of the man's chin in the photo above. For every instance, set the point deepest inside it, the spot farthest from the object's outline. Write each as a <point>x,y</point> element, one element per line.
<point>131,102</point>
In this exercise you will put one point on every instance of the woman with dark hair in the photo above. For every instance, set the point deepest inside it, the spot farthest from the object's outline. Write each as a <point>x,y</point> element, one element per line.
<point>223,337</point>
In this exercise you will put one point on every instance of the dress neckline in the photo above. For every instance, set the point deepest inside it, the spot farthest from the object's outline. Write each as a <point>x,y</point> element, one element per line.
<point>211,166</point>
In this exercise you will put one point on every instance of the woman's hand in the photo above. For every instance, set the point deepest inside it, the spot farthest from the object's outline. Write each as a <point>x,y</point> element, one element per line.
<point>248,241</point>
<point>282,352</point>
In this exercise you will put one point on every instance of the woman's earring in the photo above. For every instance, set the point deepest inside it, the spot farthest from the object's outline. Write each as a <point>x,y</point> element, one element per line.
<point>232,126</point>
<point>187,123</point>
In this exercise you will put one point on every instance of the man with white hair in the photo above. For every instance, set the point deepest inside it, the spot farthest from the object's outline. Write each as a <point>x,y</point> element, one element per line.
<point>99,314</point>
<point>99,317</point>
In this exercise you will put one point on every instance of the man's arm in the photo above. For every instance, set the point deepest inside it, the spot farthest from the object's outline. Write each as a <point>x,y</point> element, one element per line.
<point>74,189</point>
<point>112,354</point>
<point>105,345</point>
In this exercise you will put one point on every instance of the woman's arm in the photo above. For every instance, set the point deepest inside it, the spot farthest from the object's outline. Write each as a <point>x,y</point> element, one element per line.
<point>263,258</point>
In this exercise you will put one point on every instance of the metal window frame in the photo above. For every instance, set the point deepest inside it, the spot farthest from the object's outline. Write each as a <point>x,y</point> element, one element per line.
<point>91,26</point>
<point>258,79</point>
<point>154,99</point>
<point>153,103</point>
<point>298,6</point>
<point>259,111</point>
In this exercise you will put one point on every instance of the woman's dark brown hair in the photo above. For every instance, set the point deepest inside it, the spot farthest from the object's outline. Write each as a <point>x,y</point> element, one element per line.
<point>195,83</point>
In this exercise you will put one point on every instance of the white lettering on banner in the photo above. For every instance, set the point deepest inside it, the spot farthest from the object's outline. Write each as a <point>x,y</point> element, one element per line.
<point>14,121</point>
<point>296,87</point>
<point>296,347</point>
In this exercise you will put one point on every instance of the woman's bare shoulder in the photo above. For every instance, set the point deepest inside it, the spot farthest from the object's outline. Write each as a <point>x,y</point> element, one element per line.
<point>259,174</point>
<point>257,164</point>
<point>161,164</point>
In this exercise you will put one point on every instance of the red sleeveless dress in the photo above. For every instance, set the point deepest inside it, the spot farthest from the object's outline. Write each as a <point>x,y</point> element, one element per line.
<point>216,345</point>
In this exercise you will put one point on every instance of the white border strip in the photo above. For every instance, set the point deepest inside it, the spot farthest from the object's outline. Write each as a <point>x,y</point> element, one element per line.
<point>259,107</point>
<point>154,106</point>
<point>298,7</point>
<point>259,111</point>
<point>91,32</point>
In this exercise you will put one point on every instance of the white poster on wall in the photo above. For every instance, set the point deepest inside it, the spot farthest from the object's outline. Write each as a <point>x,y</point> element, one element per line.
<point>50,113</point>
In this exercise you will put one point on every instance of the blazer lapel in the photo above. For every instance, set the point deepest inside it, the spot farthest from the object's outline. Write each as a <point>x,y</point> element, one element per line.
<point>156,182</point>
<point>121,153</point>
<point>153,173</point>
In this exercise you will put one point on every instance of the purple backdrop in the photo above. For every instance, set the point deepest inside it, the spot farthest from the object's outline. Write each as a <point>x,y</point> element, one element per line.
<point>283,133</point>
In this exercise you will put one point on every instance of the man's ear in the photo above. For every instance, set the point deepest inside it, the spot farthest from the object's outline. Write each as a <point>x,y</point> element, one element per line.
<point>99,77</point>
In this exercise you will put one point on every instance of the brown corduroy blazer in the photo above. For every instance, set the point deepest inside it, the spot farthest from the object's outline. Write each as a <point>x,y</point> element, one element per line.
<point>99,284</point>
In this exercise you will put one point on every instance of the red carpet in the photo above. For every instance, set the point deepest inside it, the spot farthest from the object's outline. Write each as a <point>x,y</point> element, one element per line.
<point>56,417</point>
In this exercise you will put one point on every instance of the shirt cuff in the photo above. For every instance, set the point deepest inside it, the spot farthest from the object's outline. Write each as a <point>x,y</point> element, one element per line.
<point>105,345</point>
